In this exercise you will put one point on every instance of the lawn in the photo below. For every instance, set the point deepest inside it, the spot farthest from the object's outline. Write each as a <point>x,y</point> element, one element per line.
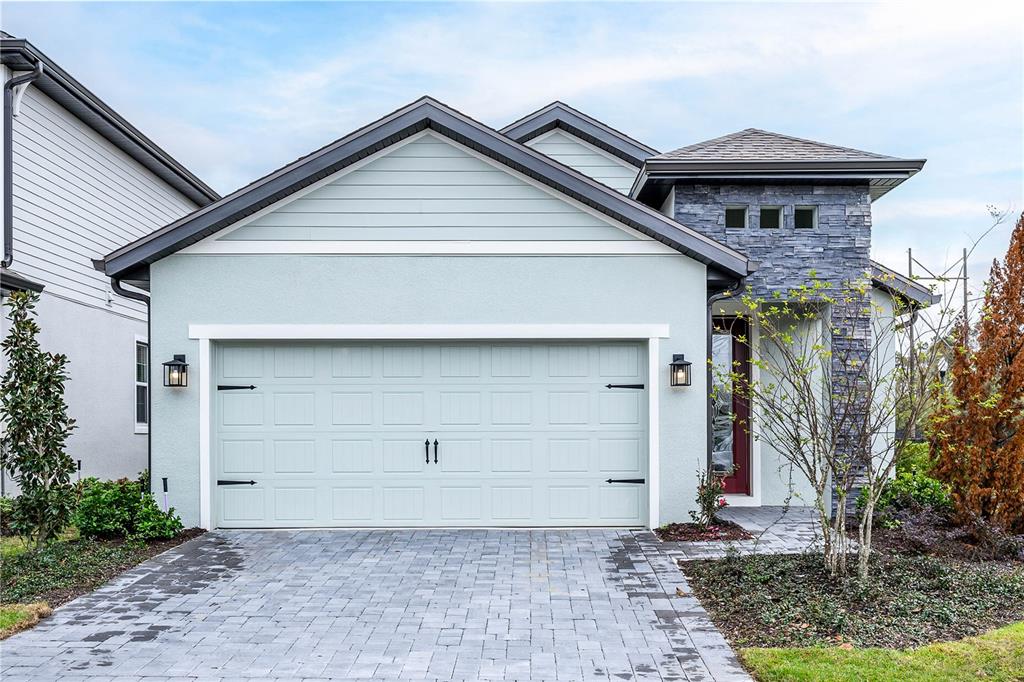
<point>20,616</point>
<point>997,656</point>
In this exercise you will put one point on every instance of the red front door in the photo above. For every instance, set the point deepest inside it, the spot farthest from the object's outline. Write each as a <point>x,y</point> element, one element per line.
<point>730,416</point>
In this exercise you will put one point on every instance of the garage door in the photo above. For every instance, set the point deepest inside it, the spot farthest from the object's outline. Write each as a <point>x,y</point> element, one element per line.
<point>430,434</point>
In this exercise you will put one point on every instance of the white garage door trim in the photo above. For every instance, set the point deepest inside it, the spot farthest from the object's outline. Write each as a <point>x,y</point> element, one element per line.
<point>207,333</point>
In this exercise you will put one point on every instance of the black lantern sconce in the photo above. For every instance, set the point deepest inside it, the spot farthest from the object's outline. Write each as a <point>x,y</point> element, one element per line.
<point>679,371</point>
<point>176,372</point>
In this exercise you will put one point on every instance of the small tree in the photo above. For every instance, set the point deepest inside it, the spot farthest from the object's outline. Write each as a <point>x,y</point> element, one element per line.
<point>977,437</point>
<point>36,427</point>
<point>826,396</point>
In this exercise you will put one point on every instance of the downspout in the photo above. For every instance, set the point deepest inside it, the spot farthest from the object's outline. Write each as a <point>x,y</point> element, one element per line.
<point>115,284</point>
<point>9,86</point>
<point>712,300</point>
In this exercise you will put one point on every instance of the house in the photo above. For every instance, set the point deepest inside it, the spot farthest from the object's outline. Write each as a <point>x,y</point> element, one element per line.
<point>80,180</point>
<point>429,322</point>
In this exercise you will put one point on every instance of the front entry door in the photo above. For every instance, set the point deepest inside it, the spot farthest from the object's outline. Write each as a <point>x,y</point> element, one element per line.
<point>731,413</point>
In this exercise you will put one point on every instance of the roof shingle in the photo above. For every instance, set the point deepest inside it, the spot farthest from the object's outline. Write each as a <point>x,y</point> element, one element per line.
<point>753,144</point>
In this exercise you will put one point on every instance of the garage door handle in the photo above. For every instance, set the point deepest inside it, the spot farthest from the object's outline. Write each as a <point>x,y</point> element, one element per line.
<point>626,480</point>
<point>435,451</point>
<point>636,386</point>
<point>228,387</point>
<point>222,482</point>
<point>426,447</point>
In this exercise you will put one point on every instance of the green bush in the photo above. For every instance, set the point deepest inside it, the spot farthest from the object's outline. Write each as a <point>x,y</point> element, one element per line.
<point>111,509</point>
<point>909,490</point>
<point>915,457</point>
<point>6,507</point>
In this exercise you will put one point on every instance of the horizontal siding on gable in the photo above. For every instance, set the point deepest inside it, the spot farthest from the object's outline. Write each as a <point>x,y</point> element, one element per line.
<point>592,162</point>
<point>428,190</point>
<point>78,197</point>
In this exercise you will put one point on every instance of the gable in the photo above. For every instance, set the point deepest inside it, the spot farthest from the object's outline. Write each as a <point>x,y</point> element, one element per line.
<point>428,188</point>
<point>131,262</point>
<point>586,159</point>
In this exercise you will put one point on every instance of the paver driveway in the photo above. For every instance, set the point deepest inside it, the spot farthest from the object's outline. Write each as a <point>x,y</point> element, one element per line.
<point>430,604</point>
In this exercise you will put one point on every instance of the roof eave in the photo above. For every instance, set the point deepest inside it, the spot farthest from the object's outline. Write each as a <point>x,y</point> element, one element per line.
<point>590,130</point>
<point>916,295</point>
<point>19,54</point>
<point>422,114</point>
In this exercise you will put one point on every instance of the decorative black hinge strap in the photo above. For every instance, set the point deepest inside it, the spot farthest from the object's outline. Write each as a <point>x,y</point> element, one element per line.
<point>639,386</point>
<point>222,482</point>
<point>626,480</point>
<point>229,387</point>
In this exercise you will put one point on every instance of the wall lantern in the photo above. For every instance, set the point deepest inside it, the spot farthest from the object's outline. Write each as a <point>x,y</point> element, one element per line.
<point>176,372</point>
<point>679,371</point>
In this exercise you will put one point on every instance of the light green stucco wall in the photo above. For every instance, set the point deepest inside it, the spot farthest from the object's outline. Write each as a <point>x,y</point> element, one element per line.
<point>292,289</point>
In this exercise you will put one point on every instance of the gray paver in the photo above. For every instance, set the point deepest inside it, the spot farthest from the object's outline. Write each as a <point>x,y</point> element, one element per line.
<point>399,605</point>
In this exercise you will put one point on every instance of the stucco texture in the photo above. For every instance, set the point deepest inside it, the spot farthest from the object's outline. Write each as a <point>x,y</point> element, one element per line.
<point>329,289</point>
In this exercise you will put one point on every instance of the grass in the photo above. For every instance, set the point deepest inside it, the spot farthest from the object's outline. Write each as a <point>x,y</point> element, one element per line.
<point>16,617</point>
<point>790,601</point>
<point>996,655</point>
<point>12,546</point>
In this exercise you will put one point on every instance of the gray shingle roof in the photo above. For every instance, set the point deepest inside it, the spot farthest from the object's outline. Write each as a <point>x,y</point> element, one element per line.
<point>753,144</point>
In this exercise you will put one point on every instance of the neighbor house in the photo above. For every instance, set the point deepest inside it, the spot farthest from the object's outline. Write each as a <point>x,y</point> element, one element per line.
<point>79,180</point>
<point>430,322</point>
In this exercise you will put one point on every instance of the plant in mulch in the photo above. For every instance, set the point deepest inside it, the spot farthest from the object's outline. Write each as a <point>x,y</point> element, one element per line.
<point>710,500</point>
<point>62,570</point>
<point>792,600</point>
<point>911,490</point>
<point>122,509</point>
<point>36,426</point>
<point>978,433</point>
<point>706,524</point>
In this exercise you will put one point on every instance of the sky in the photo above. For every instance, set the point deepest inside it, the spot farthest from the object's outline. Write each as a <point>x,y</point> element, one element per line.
<point>235,90</point>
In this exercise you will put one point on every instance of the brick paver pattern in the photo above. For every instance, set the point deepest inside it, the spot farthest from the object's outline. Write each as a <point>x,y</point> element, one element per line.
<point>397,605</point>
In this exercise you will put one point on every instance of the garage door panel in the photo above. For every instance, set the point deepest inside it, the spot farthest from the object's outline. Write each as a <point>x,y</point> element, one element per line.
<point>334,434</point>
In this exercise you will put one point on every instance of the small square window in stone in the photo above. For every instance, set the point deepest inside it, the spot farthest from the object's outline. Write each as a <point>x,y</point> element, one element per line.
<point>736,216</point>
<point>771,217</point>
<point>805,217</point>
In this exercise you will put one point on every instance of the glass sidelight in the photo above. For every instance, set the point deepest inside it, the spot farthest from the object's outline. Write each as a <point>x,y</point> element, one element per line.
<point>730,445</point>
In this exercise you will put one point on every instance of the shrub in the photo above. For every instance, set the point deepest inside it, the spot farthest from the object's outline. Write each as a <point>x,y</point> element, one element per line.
<point>709,499</point>
<point>6,507</point>
<point>909,490</point>
<point>110,509</point>
<point>915,457</point>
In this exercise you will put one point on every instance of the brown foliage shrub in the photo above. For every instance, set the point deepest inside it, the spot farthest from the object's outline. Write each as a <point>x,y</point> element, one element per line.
<point>978,433</point>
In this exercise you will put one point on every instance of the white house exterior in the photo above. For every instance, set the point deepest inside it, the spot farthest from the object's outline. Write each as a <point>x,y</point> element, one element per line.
<point>433,323</point>
<point>81,181</point>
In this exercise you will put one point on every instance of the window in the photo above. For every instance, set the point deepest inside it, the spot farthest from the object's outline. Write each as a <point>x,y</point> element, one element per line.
<point>771,217</point>
<point>141,386</point>
<point>805,217</point>
<point>735,216</point>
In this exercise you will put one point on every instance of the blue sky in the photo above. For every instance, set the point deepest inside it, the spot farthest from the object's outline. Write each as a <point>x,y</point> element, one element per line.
<point>234,90</point>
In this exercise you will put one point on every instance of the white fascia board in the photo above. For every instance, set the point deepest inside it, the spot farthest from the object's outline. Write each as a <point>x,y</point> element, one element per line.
<point>426,331</point>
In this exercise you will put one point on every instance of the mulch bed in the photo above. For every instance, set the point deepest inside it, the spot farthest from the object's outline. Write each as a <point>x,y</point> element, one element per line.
<point>930,581</point>
<point>689,532</point>
<point>67,569</point>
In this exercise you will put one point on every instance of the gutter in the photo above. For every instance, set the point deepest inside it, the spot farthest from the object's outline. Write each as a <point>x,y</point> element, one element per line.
<point>115,284</point>
<point>9,86</point>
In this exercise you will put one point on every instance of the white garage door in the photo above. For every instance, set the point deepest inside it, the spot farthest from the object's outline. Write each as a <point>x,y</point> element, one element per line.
<point>430,434</point>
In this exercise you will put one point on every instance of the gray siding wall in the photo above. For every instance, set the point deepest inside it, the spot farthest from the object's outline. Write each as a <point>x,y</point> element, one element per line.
<point>590,161</point>
<point>429,290</point>
<point>77,197</point>
<point>427,190</point>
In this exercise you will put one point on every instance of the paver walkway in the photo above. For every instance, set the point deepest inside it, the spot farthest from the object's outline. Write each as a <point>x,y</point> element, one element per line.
<point>777,531</point>
<point>431,604</point>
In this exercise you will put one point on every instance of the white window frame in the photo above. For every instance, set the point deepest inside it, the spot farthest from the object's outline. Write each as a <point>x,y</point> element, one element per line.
<point>814,216</point>
<point>139,426</point>
<point>746,215</point>
<point>782,217</point>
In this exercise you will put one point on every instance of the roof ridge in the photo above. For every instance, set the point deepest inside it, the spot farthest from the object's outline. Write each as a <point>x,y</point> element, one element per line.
<point>746,132</point>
